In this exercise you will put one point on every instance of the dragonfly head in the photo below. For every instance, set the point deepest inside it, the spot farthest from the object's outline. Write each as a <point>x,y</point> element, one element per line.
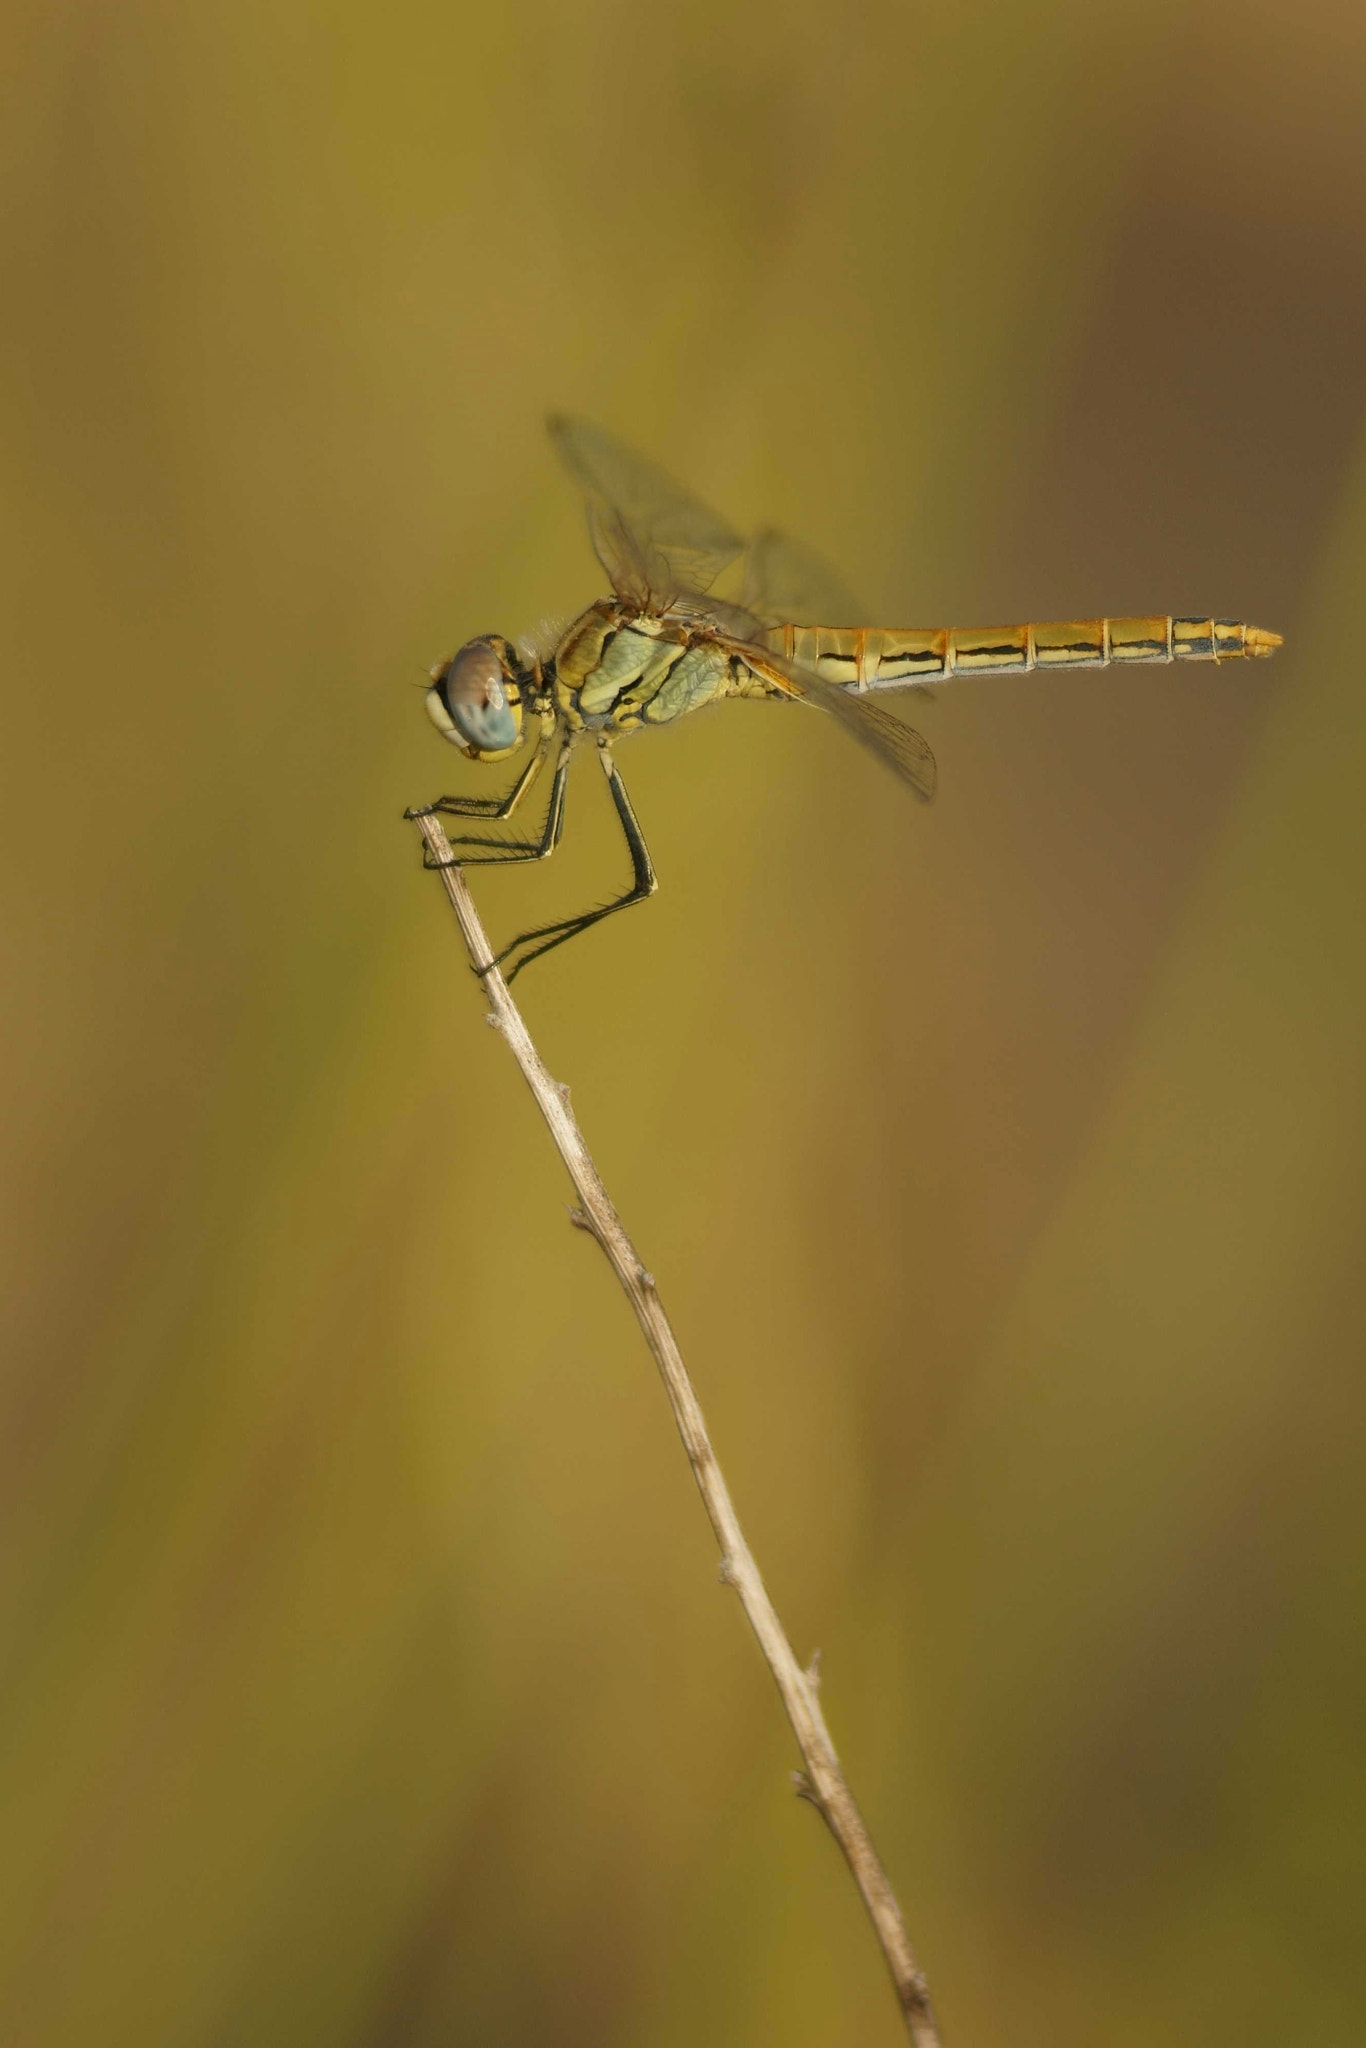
<point>476,698</point>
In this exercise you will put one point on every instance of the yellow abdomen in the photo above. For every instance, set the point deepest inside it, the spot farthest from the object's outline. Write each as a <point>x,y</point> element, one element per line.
<point>887,658</point>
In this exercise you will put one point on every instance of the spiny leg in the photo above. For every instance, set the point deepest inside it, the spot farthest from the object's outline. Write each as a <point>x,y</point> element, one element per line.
<point>507,852</point>
<point>643,881</point>
<point>494,807</point>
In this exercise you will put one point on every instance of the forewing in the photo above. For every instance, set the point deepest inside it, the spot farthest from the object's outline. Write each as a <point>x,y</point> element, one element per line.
<point>899,747</point>
<point>656,542</point>
<point>785,582</point>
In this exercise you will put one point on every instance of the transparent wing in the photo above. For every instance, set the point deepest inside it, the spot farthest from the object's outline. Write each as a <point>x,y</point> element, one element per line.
<point>899,747</point>
<point>785,582</point>
<point>663,551</point>
<point>729,620</point>
<point>656,542</point>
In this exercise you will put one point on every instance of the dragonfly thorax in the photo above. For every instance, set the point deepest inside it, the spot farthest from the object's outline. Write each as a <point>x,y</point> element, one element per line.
<point>476,698</point>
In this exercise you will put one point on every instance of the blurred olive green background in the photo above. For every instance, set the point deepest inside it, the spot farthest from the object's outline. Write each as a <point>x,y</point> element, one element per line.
<point>367,1678</point>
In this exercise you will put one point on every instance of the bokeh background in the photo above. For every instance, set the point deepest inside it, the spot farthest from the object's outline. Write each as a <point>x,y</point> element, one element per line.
<point>1003,1166</point>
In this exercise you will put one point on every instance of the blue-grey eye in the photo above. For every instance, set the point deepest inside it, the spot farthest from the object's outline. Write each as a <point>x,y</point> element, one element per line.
<point>474,705</point>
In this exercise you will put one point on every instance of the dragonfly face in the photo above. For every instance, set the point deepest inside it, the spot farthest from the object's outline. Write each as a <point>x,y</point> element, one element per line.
<point>666,643</point>
<point>476,699</point>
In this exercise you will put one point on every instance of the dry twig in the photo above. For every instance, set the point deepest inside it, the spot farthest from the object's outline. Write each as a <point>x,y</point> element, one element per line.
<point>822,1781</point>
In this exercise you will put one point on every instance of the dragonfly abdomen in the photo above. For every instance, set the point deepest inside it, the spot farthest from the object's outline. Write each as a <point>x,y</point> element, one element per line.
<point>885,658</point>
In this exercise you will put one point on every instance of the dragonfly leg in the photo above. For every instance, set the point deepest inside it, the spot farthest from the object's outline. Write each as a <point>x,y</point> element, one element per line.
<point>493,807</point>
<point>506,852</point>
<point>643,882</point>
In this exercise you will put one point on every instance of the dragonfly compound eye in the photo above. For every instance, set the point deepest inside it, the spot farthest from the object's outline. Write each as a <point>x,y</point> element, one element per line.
<point>476,704</point>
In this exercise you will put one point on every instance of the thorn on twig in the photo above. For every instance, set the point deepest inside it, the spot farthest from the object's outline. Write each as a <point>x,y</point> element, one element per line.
<point>581,1220</point>
<point>646,1279</point>
<point>813,1671</point>
<point>562,1090</point>
<point>805,1789</point>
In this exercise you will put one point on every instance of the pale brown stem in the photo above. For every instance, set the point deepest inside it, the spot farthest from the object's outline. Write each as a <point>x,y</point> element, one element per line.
<point>823,1781</point>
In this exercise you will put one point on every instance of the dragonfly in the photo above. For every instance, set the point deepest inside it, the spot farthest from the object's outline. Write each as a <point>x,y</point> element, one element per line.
<point>663,645</point>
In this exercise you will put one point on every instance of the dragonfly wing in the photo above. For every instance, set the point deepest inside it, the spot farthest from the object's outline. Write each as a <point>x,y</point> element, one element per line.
<point>899,747</point>
<point>785,581</point>
<point>731,621</point>
<point>653,538</point>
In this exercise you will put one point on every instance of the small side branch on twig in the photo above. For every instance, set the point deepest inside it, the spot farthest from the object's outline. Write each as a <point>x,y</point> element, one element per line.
<point>822,1779</point>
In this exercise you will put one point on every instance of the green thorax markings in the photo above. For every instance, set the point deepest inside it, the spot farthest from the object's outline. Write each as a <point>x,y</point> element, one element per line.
<point>616,670</point>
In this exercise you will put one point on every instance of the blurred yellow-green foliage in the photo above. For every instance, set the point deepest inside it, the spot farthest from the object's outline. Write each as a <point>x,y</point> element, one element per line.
<point>367,1681</point>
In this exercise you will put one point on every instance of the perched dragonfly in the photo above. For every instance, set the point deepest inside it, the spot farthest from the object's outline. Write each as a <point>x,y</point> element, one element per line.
<point>662,645</point>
